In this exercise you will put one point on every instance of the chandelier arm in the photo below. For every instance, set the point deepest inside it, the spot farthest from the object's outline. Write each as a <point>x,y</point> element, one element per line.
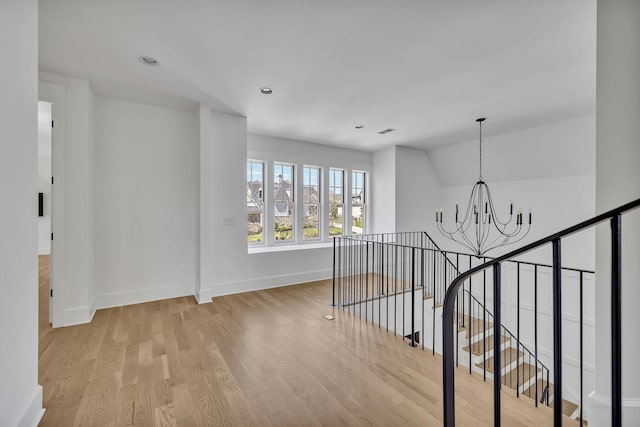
<point>451,236</point>
<point>514,241</point>
<point>496,219</point>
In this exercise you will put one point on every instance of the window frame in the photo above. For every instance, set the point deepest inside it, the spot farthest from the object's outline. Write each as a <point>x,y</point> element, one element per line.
<point>292,202</point>
<point>331,204</point>
<point>318,204</point>
<point>263,221</point>
<point>363,202</point>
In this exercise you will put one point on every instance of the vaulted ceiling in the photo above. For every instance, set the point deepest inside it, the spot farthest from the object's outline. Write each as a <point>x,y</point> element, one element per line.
<point>424,68</point>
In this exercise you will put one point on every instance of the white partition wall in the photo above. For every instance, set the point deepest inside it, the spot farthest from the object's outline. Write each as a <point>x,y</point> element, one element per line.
<point>618,182</point>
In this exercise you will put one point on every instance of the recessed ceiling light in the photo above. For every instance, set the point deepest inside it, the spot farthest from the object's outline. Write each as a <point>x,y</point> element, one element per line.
<point>358,126</point>
<point>147,60</point>
<point>266,90</point>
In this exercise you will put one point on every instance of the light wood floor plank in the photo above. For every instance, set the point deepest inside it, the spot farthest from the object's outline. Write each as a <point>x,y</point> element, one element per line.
<point>265,358</point>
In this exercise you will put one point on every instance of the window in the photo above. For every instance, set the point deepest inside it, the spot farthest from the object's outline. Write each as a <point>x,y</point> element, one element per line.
<point>311,200</point>
<point>255,201</point>
<point>283,202</point>
<point>357,202</point>
<point>336,202</point>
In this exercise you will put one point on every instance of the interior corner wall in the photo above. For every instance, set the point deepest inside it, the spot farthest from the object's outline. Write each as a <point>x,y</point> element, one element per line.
<point>79,238</point>
<point>20,394</point>
<point>223,156</point>
<point>383,191</point>
<point>617,182</point>
<point>417,191</point>
<point>145,202</point>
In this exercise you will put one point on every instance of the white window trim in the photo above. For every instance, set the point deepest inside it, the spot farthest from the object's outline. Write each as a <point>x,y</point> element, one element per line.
<point>269,244</point>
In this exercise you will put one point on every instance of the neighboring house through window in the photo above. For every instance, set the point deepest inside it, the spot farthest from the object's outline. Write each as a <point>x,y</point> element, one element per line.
<point>283,202</point>
<point>358,201</point>
<point>255,201</point>
<point>311,196</point>
<point>336,202</point>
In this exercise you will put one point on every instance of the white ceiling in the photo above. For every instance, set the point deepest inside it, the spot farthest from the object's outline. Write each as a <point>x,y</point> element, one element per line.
<point>425,68</point>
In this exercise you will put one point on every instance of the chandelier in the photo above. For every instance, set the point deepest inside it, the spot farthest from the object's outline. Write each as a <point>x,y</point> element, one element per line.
<point>480,229</point>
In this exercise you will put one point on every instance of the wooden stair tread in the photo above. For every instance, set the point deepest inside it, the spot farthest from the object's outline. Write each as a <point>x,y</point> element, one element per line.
<point>507,356</point>
<point>568,408</point>
<point>524,372</point>
<point>476,326</point>
<point>477,348</point>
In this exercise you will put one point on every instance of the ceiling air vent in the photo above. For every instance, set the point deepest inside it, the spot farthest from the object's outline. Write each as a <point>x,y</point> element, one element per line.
<point>382,132</point>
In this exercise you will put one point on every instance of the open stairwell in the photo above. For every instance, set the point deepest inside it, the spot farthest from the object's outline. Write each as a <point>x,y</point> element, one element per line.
<point>521,373</point>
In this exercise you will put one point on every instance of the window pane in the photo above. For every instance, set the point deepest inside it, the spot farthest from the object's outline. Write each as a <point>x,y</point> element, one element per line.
<point>283,201</point>
<point>311,199</point>
<point>357,220</point>
<point>311,222</point>
<point>255,205</point>
<point>335,220</point>
<point>336,198</point>
<point>358,195</point>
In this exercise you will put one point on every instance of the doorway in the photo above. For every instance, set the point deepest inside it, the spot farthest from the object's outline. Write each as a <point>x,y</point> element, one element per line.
<point>45,128</point>
<point>52,98</point>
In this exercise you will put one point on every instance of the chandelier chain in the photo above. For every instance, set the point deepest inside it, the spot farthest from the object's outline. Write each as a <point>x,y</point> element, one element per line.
<point>480,151</point>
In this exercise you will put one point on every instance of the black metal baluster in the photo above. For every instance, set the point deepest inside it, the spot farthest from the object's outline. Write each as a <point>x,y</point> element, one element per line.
<point>433,307</point>
<point>484,324</point>
<point>404,287</point>
<point>518,330</point>
<point>470,321</point>
<point>422,273</point>
<point>616,320</point>
<point>458,312</point>
<point>366,282</point>
<point>497,368</point>
<point>333,282</point>
<point>557,334</point>
<point>535,324</point>
<point>395,291</point>
<point>413,296</point>
<point>581,348</point>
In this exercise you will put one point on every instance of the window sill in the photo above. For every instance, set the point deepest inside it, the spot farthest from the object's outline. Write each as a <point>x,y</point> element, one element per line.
<point>284,247</point>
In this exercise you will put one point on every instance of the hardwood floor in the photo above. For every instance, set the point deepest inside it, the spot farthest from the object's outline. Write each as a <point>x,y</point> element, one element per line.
<point>265,358</point>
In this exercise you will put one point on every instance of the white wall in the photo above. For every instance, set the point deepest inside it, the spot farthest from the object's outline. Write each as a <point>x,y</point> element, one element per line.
<point>618,182</point>
<point>565,148</point>
<point>417,192</point>
<point>145,202</point>
<point>229,268</point>
<point>79,242</point>
<point>383,191</point>
<point>20,394</point>
<point>44,176</point>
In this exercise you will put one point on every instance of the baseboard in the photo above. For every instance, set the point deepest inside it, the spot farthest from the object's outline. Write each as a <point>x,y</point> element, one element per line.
<point>600,410</point>
<point>79,315</point>
<point>118,299</point>
<point>260,283</point>
<point>204,295</point>
<point>33,411</point>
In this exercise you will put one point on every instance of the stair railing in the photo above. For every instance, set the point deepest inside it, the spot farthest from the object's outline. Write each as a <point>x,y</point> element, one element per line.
<point>614,216</point>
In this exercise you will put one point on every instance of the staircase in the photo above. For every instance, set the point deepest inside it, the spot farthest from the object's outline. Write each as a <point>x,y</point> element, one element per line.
<point>398,281</point>
<point>521,373</point>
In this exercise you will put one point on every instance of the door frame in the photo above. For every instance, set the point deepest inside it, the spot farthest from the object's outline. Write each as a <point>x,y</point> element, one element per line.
<point>56,94</point>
